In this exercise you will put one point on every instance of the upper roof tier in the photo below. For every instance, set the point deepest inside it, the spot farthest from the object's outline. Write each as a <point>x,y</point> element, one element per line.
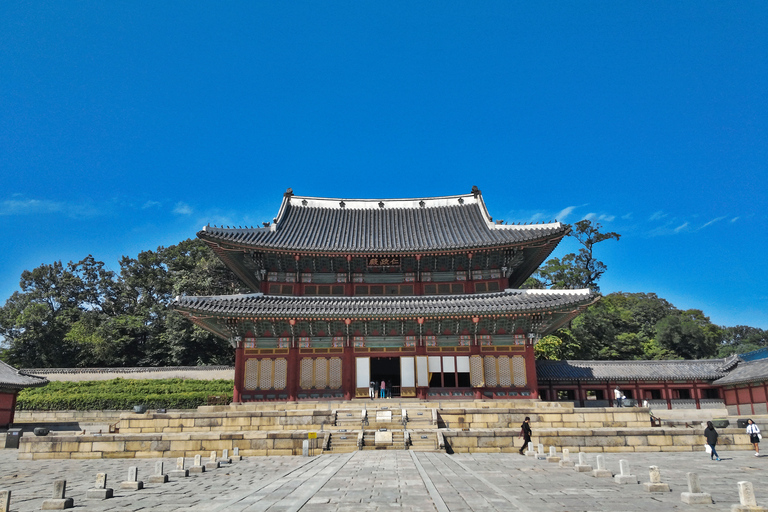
<point>364,226</point>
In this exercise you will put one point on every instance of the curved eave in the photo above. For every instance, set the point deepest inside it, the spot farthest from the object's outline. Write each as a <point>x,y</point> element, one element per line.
<point>548,242</point>
<point>363,308</point>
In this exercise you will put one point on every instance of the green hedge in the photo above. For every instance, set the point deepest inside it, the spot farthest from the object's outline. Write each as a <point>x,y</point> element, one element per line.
<point>123,394</point>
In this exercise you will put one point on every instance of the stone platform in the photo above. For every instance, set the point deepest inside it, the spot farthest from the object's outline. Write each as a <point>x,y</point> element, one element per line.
<point>266,429</point>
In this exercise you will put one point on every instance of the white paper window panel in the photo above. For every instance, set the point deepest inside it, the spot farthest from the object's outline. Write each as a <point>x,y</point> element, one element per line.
<point>407,372</point>
<point>434,364</point>
<point>462,364</point>
<point>449,364</point>
<point>422,373</point>
<point>363,373</point>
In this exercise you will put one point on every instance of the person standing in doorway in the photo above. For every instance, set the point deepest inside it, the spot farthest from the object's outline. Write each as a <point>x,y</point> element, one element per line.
<point>383,390</point>
<point>617,396</point>
<point>389,389</point>
<point>372,390</point>
<point>711,434</point>
<point>754,436</point>
<point>525,433</point>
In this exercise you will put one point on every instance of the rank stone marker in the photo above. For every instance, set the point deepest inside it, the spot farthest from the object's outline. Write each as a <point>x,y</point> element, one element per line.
<point>553,455</point>
<point>236,454</point>
<point>159,477</point>
<point>601,472</point>
<point>179,472</point>
<point>225,458</point>
<point>566,462</point>
<point>5,501</point>
<point>212,462</point>
<point>133,483</point>
<point>197,467</point>
<point>59,501</point>
<point>747,500</point>
<point>540,453</point>
<point>531,452</point>
<point>655,484</point>
<point>582,466</point>
<point>100,490</point>
<point>625,477</point>
<point>694,496</point>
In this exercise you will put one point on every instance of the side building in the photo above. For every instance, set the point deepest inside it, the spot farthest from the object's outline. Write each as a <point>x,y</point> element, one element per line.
<point>420,294</point>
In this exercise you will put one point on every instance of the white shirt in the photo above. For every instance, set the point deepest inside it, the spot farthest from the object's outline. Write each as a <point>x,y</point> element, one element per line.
<point>752,429</point>
<point>616,393</point>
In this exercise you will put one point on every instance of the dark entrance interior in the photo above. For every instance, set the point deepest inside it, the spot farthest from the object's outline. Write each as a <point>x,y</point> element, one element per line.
<point>386,369</point>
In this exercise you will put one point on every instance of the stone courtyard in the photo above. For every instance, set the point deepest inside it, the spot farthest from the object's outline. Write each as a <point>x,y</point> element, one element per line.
<point>390,480</point>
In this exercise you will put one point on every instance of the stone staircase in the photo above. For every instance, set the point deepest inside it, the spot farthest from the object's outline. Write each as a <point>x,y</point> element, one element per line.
<point>423,441</point>
<point>349,418</point>
<point>343,442</point>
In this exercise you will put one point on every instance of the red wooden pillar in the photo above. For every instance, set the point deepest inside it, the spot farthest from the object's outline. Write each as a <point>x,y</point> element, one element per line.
<point>638,398</point>
<point>696,395</point>
<point>668,395</point>
<point>530,370</point>
<point>348,372</point>
<point>580,394</point>
<point>237,393</point>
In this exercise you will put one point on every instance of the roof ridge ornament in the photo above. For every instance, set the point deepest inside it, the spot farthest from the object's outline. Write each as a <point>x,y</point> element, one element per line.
<point>475,191</point>
<point>381,204</point>
<point>288,193</point>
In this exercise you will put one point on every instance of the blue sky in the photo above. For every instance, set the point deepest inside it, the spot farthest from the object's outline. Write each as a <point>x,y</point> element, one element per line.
<point>128,125</point>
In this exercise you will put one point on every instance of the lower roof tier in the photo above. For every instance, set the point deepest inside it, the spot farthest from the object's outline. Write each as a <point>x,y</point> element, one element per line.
<point>559,306</point>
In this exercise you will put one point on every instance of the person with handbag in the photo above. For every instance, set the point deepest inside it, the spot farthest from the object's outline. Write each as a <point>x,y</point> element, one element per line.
<point>525,433</point>
<point>754,436</point>
<point>711,434</point>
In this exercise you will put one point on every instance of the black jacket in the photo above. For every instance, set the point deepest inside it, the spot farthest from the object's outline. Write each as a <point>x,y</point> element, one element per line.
<point>526,428</point>
<point>711,435</point>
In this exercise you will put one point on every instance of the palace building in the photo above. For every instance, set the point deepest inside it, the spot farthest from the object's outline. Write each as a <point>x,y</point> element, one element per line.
<point>421,294</point>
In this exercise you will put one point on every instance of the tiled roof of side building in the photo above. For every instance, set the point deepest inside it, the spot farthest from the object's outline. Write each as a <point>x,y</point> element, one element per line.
<point>745,372</point>
<point>707,369</point>
<point>12,378</point>
<point>394,306</point>
<point>384,226</point>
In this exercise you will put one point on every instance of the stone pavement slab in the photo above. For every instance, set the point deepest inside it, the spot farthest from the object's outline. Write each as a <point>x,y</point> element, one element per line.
<point>392,480</point>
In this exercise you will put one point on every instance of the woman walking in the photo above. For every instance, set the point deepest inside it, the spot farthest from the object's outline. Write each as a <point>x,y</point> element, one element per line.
<point>754,436</point>
<point>711,434</point>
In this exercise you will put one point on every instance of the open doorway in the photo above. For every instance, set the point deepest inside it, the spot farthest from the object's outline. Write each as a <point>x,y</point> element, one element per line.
<point>386,369</point>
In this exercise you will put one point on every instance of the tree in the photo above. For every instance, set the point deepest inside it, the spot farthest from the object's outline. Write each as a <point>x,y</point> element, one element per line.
<point>741,339</point>
<point>689,334</point>
<point>575,270</point>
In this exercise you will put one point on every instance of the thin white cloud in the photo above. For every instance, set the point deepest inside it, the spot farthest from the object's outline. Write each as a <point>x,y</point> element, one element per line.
<point>681,227</point>
<point>182,209</point>
<point>30,207</point>
<point>718,219</point>
<point>658,215</point>
<point>151,204</point>
<point>564,213</point>
<point>735,219</point>
<point>627,216</point>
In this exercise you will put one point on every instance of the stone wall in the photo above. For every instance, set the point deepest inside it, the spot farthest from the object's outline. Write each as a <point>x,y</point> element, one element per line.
<point>168,372</point>
<point>121,446</point>
<point>596,440</point>
<point>233,420</point>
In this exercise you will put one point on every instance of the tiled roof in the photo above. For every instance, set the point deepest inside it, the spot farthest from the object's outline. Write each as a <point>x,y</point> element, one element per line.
<point>706,369</point>
<point>258,305</point>
<point>12,378</point>
<point>362,226</point>
<point>746,371</point>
